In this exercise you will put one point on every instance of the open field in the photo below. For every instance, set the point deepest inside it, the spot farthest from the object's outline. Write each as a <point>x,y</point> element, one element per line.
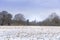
<point>18,27</point>
<point>29,33</point>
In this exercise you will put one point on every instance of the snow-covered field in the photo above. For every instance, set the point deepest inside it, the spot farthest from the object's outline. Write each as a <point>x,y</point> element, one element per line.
<point>29,33</point>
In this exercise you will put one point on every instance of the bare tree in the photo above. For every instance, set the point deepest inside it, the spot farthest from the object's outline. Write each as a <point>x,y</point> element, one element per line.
<point>19,17</point>
<point>52,20</point>
<point>5,18</point>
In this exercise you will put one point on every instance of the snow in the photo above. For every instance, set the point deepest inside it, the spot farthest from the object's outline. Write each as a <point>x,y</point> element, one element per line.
<point>30,33</point>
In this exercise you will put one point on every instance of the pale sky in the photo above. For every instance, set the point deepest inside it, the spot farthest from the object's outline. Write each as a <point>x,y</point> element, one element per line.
<point>31,9</point>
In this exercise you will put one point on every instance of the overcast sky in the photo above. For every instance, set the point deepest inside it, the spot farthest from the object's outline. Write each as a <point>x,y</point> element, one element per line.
<point>31,9</point>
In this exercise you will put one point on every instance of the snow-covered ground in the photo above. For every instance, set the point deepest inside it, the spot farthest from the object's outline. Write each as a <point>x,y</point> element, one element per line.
<point>29,33</point>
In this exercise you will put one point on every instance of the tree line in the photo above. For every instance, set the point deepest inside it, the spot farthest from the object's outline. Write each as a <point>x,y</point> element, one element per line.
<point>6,18</point>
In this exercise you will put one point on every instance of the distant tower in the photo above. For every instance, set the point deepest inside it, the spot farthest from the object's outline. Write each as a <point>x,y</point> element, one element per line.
<point>27,21</point>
